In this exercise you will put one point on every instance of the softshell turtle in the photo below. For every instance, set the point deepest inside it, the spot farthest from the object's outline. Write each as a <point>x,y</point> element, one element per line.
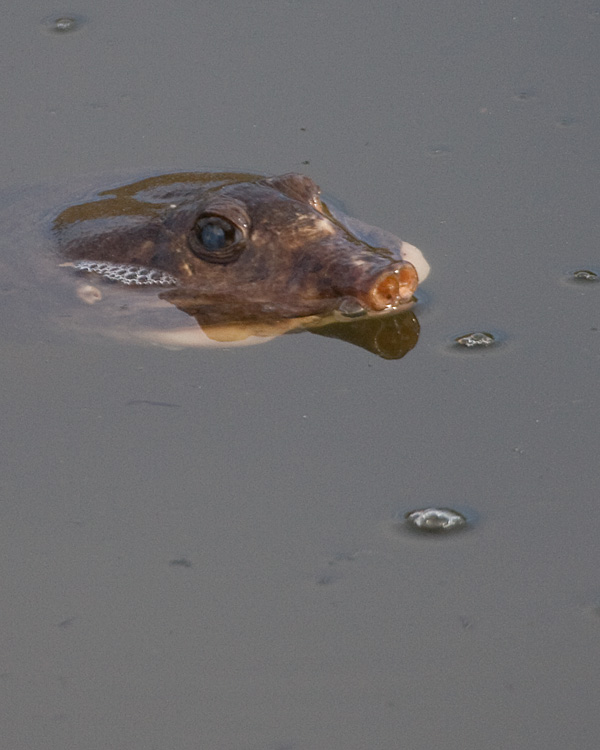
<point>190,259</point>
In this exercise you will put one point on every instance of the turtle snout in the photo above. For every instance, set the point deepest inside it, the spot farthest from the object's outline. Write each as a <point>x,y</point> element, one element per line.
<point>393,287</point>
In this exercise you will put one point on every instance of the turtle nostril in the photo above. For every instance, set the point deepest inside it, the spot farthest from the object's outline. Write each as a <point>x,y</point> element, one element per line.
<point>408,279</point>
<point>385,292</point>
<point>394,287</point>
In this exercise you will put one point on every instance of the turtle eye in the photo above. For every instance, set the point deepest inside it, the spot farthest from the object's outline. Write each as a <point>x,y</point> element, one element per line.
<point>216,239</point>
<point>214,234</point>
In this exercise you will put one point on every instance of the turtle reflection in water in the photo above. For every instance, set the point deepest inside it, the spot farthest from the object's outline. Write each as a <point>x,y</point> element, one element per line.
<point>191,259</point>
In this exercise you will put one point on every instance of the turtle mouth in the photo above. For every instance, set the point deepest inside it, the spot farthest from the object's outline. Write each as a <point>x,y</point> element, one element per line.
<point>387,290</point>
<point>393,287</point>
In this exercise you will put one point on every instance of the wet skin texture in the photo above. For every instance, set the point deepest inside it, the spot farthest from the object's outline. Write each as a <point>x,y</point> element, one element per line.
<point>237,247</point>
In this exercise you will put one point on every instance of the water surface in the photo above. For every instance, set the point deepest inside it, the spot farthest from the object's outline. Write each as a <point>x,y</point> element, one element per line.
<point>200,549</point>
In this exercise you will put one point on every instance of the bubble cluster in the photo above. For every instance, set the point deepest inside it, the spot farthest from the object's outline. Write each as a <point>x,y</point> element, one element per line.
<point>477,338</point>
<point>435,520</point>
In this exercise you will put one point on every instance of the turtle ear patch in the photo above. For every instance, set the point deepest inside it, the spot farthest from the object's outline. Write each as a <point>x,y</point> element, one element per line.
<point>126,274</point>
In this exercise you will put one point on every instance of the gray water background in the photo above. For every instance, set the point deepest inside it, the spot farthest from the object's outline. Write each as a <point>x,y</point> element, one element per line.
<point>198,548</point>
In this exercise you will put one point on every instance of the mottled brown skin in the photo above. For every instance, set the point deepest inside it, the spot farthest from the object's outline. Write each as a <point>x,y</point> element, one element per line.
<point>288,256</point>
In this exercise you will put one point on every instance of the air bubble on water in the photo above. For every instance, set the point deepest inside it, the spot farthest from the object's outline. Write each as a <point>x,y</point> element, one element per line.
<point>585,275</point>
<point>65,24</point>
<point>62,24</point>
<point>477,338</point>
<point>435,520</point>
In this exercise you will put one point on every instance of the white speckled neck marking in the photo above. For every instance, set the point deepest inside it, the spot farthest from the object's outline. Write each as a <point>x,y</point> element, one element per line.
<point>127,274</point>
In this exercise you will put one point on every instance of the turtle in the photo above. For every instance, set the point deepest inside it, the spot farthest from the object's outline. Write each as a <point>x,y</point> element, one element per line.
<point>224,258</point>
